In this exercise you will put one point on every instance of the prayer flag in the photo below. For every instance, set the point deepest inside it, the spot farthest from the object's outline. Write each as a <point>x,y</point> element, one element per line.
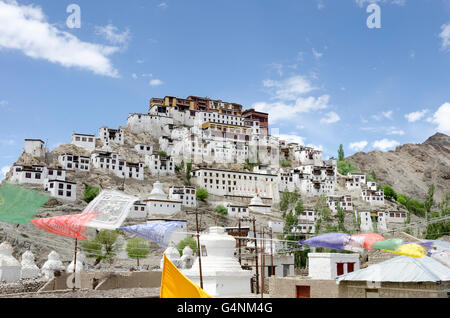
<point>175,285</point>
<point>158,231</point>
<point>67,225</point>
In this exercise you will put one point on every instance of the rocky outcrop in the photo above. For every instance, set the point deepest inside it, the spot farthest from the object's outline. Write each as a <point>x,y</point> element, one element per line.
<point>411,168</point>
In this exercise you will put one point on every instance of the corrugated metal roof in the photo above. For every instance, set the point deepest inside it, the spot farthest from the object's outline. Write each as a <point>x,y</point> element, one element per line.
<point>401,269</point>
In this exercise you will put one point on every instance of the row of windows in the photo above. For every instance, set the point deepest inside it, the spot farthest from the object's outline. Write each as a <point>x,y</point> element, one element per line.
<point>84,139</point>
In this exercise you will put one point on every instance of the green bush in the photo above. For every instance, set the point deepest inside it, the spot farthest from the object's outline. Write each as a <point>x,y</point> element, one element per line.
<point>284,163</point>
<point>344,167</point>
<point>202,194</point>
<point>192,242</point>
<point>220,209</point>
<point>103,247</point>
<point>389,193</point>
<point>90,193</point>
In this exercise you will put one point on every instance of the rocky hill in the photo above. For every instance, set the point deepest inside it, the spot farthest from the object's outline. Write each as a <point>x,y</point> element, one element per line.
<point>411,168</point>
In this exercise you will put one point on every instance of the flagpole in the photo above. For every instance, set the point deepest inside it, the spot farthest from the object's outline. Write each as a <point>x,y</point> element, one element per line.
<point>199,250</point>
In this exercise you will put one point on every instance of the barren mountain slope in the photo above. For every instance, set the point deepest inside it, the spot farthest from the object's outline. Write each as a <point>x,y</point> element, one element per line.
<point>411,168</point>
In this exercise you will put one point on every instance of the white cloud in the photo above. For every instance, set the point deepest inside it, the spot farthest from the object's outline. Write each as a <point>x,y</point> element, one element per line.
<point>280,110</point>
<point>395,131</point>
<point>134,76</point>
<point>320,4</point>
<point>112,34</point>
<point>445,36</point>
<point>330,118</point>
<point>362,3</point>
<point>140,61</point>
<point>4,171</point>
<point>385,144</point>
<point>290,88</point>
<point>415,116</point>
<point>358,146</point>
<point>25,28</point>
<point>291,138</point>
<point>156,82</point>
<point>7,142</point>
<point>442,118</point>
<point>388,114</point>
<point>317,54</point>
<point>163,5</point>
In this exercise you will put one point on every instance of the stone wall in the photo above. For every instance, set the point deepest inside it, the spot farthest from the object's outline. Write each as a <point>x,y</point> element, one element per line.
<point>354,289</point>
<point>286,287</point>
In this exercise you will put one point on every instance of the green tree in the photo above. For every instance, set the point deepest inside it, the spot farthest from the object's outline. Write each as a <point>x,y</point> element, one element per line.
<point>220,209</point>
<point>444,205</point>
<point>90,192</point>
<point>344,167</point>
<point>192,242</point>
<point>202,194</point>
<point>389,193</point>
<point>321,208</point>
<point>371,177</point>
<point>250,165</point>
<point>287,199</point>
<point>341,218</point>
<point>284,163</point>
<point>341,155</point>
<point>437,230</point>
<point>162,153</point>
<point>137,248</point>
<point>103,247</point>
<point>188,172</point>
<point>299,209</point>
<point>429,199</point>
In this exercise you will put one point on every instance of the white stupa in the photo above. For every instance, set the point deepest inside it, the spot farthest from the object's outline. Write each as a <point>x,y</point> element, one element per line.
<point>29,267</point>
<point>158,203</point>
<point>52,265</point>
<point>222,274</point>
<point>257,205</point>
<point>9,267</point>
<point>188,257</point>
<point>173,255</point>
<point>81,264</point>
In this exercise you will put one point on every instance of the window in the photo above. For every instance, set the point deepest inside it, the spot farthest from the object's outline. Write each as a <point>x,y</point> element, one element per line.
<point>340,269</point>
<point>61,186</point>
<point>69,193</point>
<point>60,192</point>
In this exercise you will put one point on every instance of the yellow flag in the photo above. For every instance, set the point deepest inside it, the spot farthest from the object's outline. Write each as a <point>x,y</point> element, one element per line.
<point>175,285</point>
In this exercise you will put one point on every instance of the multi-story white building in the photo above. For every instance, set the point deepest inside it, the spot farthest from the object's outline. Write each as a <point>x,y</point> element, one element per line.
<point>396,216</point>
<point>74,162</point>
<point>372,185</point>
<point>63,190</point>
<point>36,174</point>
<point>187,195</point>
<point>373,197</point>
<point>345,202</point>
<point>237,211</point>
<point>108,135</point>
<point>369,218</point>
<point>122,169</point>
<point>305,227</point>
<point>35,147</point>
<point>144,149</point>
<point>307,216</point>
<point>160,165</point>
<point>84,141</point>
<point>237,183</point>
<point>354,181</point>
<point>307,156</point>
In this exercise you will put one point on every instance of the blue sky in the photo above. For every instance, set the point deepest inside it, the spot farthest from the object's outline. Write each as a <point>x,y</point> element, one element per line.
<point>324,77</point>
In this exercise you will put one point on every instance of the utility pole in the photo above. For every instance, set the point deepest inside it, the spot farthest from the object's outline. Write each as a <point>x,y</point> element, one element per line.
<point>239,242</point>
<point>263,265</point>
<point>198,246</point>
<point>256,255</point>
<point>272,268</point>
<point>75,264</point>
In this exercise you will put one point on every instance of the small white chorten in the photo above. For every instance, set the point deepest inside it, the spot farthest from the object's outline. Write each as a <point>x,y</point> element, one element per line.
<point>173,255</point>
<point>257,205</point>
<point>222,274</point>
<point>9,267</point>
<point>52,265</point>
<point>29,267</point>
<point>188,257</point>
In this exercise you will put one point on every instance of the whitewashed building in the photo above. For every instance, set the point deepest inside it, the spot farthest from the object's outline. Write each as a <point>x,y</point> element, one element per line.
<point>35,147</point>
<point>354,181</point>
<point>144,149</point>
<point>237,211</point>
<point>160,165</point>
<point>237,183</point>
<point>187,195</point>
<point>63,190</point>
<point>396,216</point>
<point>111,161</point>
<point>373,197</point>
<point>84,141</point>
<point>331,265</point>
<point>372,185</point>
<point>74,162</point>
<point>307,216</point>
<point>159,205</point>
<point>108,135</point>
<point>36,174</point>
<point>138,211</point>
<point>345,202</point>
